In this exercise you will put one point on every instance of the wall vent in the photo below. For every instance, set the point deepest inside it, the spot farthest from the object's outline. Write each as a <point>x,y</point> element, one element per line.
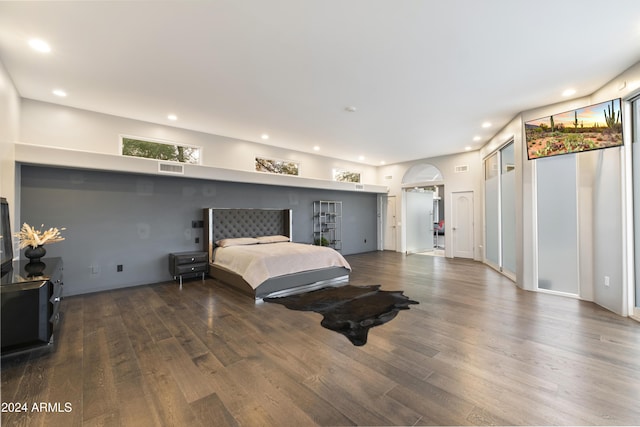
<point>171,168</point>
<point>359,186</point>
<point>462,168</point>
<point>388,177</point>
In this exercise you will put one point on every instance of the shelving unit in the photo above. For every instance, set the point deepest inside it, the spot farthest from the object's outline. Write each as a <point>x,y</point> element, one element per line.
<point>327,223</point>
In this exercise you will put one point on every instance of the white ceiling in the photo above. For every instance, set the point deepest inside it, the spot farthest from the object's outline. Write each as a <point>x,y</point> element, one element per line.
<point>423,74</point>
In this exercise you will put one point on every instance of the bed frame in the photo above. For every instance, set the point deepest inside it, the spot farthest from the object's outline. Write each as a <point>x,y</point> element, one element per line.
<point>232,223</point>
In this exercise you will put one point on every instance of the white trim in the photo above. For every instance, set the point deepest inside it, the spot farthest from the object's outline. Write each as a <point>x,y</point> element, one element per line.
<point>628,215</point>
<point>577,224</point>
<point>562,294</point>
<point>421,184</point>
<point>534,226</point>
<point>508,140</point>
<point>500,249</point>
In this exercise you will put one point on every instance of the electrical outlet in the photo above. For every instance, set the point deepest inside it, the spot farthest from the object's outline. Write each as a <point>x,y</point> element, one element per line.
<point>606,281</point>
<point>119,267</point>
<point>197,240</point>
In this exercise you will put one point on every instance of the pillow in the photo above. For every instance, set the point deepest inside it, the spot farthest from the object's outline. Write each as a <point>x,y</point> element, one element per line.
<point>272,239</point>
<point>223,243</point>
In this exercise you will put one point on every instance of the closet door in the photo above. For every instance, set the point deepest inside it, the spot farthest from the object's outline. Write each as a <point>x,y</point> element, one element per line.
<point>500,210</point>
<point>508,209</point>
<point>557,216</point>
<point>492,210</point>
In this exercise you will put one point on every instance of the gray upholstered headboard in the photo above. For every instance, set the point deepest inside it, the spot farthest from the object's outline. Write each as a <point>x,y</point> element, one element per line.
<point>231,223</point>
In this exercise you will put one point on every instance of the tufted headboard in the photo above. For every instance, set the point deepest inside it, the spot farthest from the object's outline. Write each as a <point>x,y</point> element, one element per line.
<point>230,223</point>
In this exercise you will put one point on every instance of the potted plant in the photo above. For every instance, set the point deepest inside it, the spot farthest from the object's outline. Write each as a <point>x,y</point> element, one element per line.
<point>34,240</point>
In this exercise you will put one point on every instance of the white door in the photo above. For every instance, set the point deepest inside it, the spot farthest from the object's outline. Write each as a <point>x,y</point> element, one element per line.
<point>462,224</point>
<point>419,223</point>
<point>390,225</point>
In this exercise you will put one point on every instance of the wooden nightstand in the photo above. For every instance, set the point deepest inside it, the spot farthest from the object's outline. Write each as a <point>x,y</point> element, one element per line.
<point>188,264</point>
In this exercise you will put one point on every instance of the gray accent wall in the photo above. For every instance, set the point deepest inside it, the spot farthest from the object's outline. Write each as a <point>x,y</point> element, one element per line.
<point>136,220</point>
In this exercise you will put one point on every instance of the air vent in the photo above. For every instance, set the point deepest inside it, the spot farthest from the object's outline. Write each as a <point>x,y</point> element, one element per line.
<point>462,168</point>
<point>171,168</point>
<point>388,177</point>
<point>359,186</point>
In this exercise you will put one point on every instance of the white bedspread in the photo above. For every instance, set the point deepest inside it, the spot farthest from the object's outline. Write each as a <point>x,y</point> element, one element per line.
<point>257,263</point>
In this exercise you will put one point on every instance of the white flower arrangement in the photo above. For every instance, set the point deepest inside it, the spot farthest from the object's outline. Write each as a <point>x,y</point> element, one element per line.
<point>30,236</point>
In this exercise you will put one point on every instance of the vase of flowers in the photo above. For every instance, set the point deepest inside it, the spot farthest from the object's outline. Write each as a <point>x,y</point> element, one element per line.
<point>34,240</point>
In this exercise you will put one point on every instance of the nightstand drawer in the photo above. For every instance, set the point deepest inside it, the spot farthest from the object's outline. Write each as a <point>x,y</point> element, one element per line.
<point>191,268</point>
<point>190,258</point>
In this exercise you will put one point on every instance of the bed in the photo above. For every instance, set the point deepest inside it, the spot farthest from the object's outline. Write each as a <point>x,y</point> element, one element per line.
<point>252,251</point>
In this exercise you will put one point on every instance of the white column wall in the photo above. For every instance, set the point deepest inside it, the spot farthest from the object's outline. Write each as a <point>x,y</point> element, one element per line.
<point>9,133</point>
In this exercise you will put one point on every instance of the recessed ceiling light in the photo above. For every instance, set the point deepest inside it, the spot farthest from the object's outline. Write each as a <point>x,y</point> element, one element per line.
<point>382,162</point>
<point>467,148</point>
<point>40,45</point>
<point>477,138</point>
<point>486,125</point>
<point>569,92</point>
<point>264,136</point>
<point>316,148</point>
<point>351,109</point>
<point>172,117</point>
<point>361,158</point>
<point>60,93</point>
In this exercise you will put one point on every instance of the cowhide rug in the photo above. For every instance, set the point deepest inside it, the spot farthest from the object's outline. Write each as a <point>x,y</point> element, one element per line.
<point>349,310</point>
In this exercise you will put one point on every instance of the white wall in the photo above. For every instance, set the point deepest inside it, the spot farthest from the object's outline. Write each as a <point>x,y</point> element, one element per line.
<point>9,132</point>
<point>54,125</point>
<point>612,220</point>
<point>391,176</point>
<point>602,202</point>
<point>524,218</point>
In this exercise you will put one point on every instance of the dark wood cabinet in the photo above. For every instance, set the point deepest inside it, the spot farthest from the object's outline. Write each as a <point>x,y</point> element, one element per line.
<point>188,264</point>
<point>30,295</point>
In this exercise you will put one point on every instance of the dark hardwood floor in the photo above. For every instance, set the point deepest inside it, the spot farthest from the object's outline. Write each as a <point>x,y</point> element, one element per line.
<point>476,351</point>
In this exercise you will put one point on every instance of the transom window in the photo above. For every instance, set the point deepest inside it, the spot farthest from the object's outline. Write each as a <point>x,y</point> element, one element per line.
<point>282,167</point>
<point>346,176</point>
<point>160,150</point>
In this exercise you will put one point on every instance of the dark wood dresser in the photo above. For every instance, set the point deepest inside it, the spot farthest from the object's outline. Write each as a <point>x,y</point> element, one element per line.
<point>30,294</point>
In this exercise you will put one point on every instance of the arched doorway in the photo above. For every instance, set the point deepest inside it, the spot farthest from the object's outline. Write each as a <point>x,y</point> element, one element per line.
<point>422,173</point>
